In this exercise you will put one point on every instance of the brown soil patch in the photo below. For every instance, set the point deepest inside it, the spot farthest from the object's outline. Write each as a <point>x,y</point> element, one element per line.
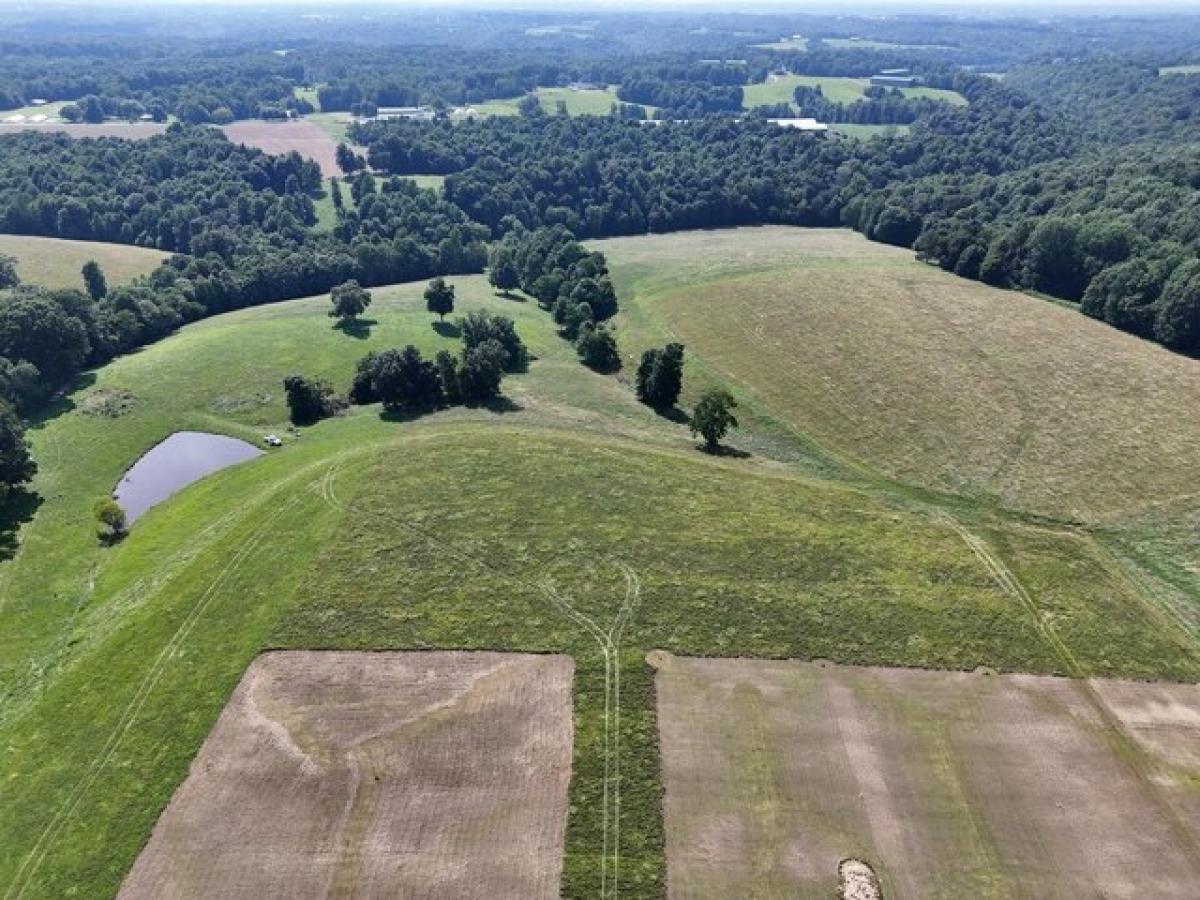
<point>305,138</point>
<point>947,784</point>
<point>430,775</point>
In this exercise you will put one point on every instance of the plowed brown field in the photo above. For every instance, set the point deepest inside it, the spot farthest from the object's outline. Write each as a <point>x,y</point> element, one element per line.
<point>422,775</point>
<point>305,138</point>
<point>949,784</point>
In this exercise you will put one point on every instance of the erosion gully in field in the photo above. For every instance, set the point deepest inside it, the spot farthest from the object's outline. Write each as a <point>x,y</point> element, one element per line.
<point>948,784</point>
<point>419,775</point>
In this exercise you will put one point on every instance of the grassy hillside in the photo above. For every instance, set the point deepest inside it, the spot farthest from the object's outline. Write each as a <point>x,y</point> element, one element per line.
<point>779,89</point>
<point>531,525</point>
<point>596,102</point>
<point>57,263</point>
<point>934,380</point>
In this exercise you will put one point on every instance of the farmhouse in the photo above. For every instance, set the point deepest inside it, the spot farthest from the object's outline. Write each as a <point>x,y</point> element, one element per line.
<point>893,81</point>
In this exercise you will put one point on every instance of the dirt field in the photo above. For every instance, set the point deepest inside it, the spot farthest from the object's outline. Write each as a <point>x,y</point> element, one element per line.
<point>949,784</point>
<point>304,137</point>
<point>420,775</point>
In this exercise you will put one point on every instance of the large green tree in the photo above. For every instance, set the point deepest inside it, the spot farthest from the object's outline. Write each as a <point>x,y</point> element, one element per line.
<point>713,417</point>
<point>350,300</point>
<point>439,298</point>
<point>16,463</point>
<point>660,376</point>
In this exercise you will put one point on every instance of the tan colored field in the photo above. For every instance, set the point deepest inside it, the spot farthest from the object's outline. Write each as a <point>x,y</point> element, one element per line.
<point>927,377</point>
<point>306,138</point>
<point>58,263</point>
<point>93,130</point>
<point>417,775</point>
<point>949,784</point>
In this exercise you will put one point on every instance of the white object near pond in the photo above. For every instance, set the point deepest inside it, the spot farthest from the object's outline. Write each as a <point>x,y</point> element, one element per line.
<point>170,466</point>
<point>273,440</point>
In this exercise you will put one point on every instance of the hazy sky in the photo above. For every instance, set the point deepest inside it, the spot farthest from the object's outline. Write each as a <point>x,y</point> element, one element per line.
<point>575,9</point>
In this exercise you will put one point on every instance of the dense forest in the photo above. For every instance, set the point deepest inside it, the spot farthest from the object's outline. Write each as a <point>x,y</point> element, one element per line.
<point>1073,178</point>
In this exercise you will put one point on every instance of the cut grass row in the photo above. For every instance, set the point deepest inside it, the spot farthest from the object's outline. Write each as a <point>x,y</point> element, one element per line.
<point>990,395</point>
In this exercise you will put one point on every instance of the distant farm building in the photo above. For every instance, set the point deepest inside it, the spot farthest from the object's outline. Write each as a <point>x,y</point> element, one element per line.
<point>404,112</point>
<point>894,81</point>
<point>895,72</point>
<point>801,124</point>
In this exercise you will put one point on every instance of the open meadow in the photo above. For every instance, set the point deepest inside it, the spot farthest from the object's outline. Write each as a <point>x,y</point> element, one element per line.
<point>780,88</point>
<point>58,263</point>
<point>579,101</point>
<point>571,519</point>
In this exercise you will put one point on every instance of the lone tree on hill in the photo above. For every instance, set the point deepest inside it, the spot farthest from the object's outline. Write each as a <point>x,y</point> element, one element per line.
<point>439,297</point>
<point>94,281</point>
<point>350,301</point>
<point>713,417</point>
<point>110,519</point>
<point>660,376</point>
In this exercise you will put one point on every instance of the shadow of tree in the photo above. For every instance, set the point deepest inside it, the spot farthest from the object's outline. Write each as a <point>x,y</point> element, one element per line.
<point>500,405</point>
<point>447,329</point>
<point>356,328</point>
<point>672,414</point>
<point>724,450</point>
<point>17,509</point>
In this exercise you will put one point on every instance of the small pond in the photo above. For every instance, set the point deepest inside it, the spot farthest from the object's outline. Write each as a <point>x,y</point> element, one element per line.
<point>184,457</point>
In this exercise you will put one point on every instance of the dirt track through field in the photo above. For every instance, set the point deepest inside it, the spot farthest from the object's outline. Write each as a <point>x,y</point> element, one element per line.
<point>608,642</point>
<point>421,775</point>
<point>948,784</point>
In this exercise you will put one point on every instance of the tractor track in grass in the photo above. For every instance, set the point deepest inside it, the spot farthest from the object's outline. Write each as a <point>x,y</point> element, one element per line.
<point>37,854</point>
<point>1131,752</point>
<point>608,642</point>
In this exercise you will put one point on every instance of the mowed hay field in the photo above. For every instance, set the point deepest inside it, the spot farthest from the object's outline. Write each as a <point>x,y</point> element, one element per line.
<point>370,774</point>
<point>58,263</point>
<point>932,379</point>
<point>568,519</point>
<point>780,88</point>
<point>949,784</point>
<point>306,138</point>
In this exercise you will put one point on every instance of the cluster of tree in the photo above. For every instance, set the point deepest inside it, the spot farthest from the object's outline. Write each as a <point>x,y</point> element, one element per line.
<point>119,81</point>
<point>565,278</point>
<point>681,99</point>
<point>311,399</point>
<point>880,106</point>
<point>403,381</point>
<point>1114,100</point>
<point>242,216</point>
<point>1108,228</point>
<point>189,191</point>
